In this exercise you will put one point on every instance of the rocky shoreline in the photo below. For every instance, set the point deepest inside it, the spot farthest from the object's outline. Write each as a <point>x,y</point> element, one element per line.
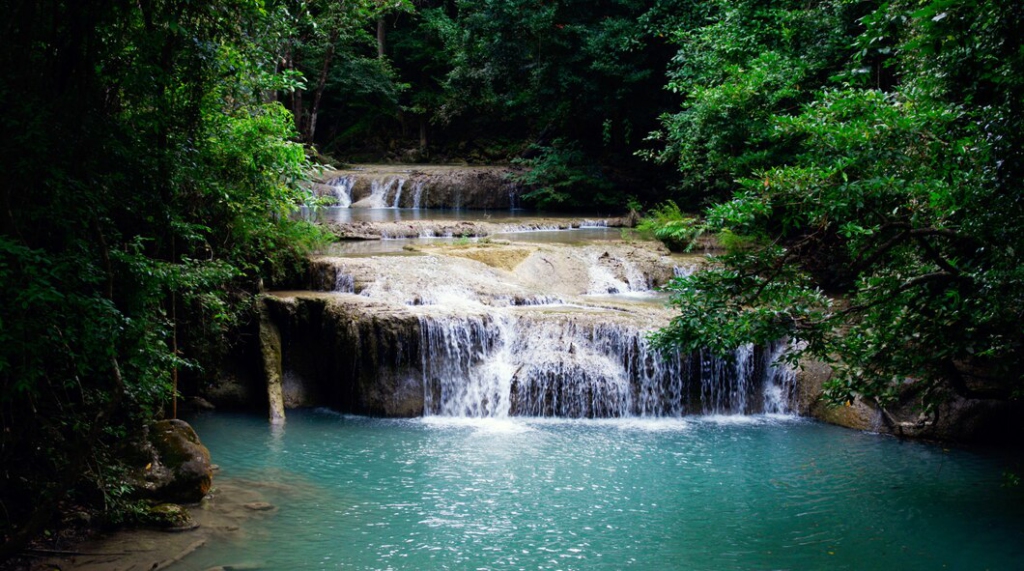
<point>221,516</point>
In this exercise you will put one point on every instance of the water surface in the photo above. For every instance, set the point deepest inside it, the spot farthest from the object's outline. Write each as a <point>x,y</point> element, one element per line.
<point>696,493</point>
<point>574,236</point>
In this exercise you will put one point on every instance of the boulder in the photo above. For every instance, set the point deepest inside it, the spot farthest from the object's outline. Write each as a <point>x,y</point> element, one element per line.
<point>956,419</point>
<point>178,468</point>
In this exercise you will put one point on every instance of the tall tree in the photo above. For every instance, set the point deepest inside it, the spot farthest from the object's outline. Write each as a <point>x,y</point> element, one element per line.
<point>888,239</point>
<point>320,39</point>
<point>147,184</point>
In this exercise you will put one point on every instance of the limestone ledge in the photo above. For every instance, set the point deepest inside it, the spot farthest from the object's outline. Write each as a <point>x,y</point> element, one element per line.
<point>958,420</point>
<point>441,186</point>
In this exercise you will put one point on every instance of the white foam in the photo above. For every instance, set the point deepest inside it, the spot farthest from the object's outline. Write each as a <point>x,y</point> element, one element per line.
<point>486,425</point>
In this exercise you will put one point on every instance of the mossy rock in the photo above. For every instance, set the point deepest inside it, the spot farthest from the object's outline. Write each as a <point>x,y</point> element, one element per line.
<point>171,517</point>
<point>181,470</point>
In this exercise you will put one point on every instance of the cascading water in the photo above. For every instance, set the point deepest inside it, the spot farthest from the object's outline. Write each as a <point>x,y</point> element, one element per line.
<point>684,271</point>
<point>780,388</point>
<point>476,341</point>
<point>513,196</point>
<point>343,190</point>
<point>417,193</point>
<point>523,364</point>
<point>398,193</point>
<point>344,283</point>
<point>379,191</point>
<point>611,276</point>
<point>725,384</point>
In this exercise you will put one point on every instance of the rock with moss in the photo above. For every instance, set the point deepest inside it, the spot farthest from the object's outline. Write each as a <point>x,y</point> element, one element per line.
<point>171,517</point>
<point>178,467</point>
<point>953,419</point>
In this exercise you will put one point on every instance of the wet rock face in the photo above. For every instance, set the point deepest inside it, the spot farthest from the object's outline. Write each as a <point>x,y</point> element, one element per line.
<point>421,186</point>
<point>956,420</point>
<point>270,348</point>
<point>178,468</point>
<point>350,354</point>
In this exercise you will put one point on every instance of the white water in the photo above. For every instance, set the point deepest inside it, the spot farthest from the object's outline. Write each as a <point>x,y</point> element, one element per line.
<point>379,191</point>
<point>491,346</point>
<point>344,283</point>
<point>398,193</point>
<point>516,363</point>
<point>610,275</point>
<point>343,190</point>
<point>417,194</point>
<point>684,271</point>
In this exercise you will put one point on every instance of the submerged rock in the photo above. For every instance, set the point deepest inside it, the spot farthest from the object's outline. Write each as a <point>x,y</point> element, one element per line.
<point>172,517</point>
<point>259,506</point>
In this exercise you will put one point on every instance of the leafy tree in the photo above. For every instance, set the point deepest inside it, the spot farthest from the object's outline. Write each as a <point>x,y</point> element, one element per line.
<point>327,43</point>
<point>553,172</point>
<point>567,82</point>
<point>889,241</point>
<point>147,190</point>
<point>748,62</point>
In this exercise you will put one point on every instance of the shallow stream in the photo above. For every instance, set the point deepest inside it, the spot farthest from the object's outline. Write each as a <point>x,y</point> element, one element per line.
<point>756,492</point>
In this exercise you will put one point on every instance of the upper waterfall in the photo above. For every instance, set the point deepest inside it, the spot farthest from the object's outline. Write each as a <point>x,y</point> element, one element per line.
<point>419,187</point>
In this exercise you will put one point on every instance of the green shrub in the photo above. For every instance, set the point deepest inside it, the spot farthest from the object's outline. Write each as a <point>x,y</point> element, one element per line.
<point>668,223</point>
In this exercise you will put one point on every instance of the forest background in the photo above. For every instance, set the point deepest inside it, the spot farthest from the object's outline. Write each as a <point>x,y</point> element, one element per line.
<point>859,161</point>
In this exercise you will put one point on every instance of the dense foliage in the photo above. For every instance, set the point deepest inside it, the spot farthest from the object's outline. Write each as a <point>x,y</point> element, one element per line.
<point>879,206</point>
<point>147,186</point>
<point>570,88</point>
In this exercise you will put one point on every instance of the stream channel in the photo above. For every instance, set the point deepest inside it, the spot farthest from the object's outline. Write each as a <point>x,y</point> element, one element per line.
<point>544,432</point>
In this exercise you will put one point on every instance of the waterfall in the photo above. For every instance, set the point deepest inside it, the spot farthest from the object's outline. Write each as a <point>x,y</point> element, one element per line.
<point>452,352</point>
<point>513,196</point>
<point>379,191</point>
<point>398,193</point>
<point>344,283</point>
<point>780,383</point>
<point>450,336</point>
<point>417,193</point>
<point>524,364</point>
<point>725,384</point>
<point>684,271</point>
<point>343,190</point>
<point>610,276</point>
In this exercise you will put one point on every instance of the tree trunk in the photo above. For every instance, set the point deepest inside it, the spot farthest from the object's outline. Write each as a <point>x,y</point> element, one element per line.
<point>318,93</point>
<point>423,133</point>
<point>296,98</point>
<point>381,37</point>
